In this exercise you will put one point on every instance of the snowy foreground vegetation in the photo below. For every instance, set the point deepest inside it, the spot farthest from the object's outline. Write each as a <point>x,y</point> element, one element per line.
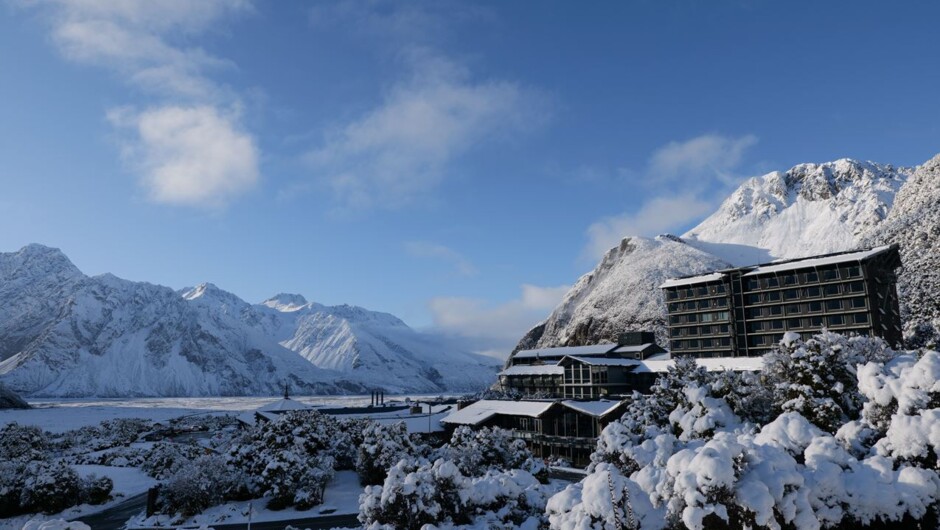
<point>836,432</point>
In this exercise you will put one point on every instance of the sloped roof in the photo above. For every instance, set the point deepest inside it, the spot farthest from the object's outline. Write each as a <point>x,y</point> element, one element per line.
<point>483,410</point>
<point>711,364</point>
<point>591,349</point>
<point>817,262</point>
<point>539,369</point>
<point>597,408</point>
<point>602,361</point>
<point>702,278</point>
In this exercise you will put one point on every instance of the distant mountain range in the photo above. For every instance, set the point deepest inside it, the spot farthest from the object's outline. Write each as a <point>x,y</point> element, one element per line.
<point>810,209</point>
<point>63,333</point>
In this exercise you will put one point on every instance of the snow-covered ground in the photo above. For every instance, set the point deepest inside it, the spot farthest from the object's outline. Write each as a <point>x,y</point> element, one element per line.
<point>60,415</point>
<point>341,497</point>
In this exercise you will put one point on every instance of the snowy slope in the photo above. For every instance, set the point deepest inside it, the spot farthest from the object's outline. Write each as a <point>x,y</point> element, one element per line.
<point>370,346</point>
<point>810,209</point>
<point>66,334</point>
<point>621,293</point>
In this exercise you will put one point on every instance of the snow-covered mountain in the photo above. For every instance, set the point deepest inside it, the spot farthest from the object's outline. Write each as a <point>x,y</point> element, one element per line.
<point>810,209</point>
<point>621,293</point>
<point>66,334</point>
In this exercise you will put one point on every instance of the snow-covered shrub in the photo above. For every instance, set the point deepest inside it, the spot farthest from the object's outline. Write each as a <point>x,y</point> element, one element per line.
<point>382,447</point>
<point>49,487</point>
<point>604,500</point>
<point>347,441</point>
<point>199,484</point>
<point>54,524</point>
<point>700,415</point>
<point>813,379</point>
<point>749,398</point>
<point>414,495</point>
<point>288,460</point>
<point>109,434</point>
<point>96,490</point>
<point>164,459</point>
<point>22,442</point>
<point>477,451</point>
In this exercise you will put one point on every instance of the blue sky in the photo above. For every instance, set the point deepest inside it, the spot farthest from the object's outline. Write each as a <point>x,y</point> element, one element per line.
<point>456,164</point>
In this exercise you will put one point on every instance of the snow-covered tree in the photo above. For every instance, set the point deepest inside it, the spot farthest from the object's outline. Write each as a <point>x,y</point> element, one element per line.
<point>477,451</point>
<point>199,484</point>
<point>382,447</point>
<point>414,495</point>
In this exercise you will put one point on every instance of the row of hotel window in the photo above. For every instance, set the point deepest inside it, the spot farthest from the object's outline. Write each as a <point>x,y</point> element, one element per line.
<point>692,344</point>
<point>770,282</point>
<point>721,329</point>
<point>815,306</point>
<point>581,373</point>
<point>815,322</point>
<point>773,296</point>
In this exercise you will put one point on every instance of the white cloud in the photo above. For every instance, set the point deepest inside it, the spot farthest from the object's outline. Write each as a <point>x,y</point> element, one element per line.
<point>402,149</point>
<point>492,328</point>
<point>686,181</point>
<point>425,249</point>
<point>190,148</point>
<point>657,216</point>
<point>709,155</point>
<point>190,155</point>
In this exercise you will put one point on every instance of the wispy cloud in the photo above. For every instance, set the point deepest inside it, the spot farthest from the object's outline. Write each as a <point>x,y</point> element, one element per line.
<point>436,111</point>
<point>177,143</point>
<point>494,329</point>
<point>686,180</point>
<point>425,249</point>
<point>709,155</point>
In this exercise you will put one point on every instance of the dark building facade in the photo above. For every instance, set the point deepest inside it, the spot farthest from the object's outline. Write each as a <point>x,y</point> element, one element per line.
<point>744,311</point>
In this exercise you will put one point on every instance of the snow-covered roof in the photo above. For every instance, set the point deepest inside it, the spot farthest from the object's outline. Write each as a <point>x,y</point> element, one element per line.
<point>603,361</point>
<point>661,356</point>
<point>540,369</point>
<point>712,364</point>
<point>597,408</point>
<point>635,348</point>
<point>818,262</point>
<point>591,349</point>
<point>483,410</point>
<point>283,405</point>
<point>691,280</point>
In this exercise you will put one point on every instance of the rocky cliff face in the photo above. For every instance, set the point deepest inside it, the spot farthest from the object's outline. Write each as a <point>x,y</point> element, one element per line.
<point>914,224</point>
<point>810,209</point>
<point>65,334</point>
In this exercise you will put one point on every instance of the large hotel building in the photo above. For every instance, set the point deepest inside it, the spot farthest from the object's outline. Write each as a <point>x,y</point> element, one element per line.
<point>744,311</point>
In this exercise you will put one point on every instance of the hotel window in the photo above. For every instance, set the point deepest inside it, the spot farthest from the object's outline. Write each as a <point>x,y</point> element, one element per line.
<point>831,274</point>
<point>836,320</point>
<point>812,292</point>
<point>776,324</point>
<point>853,272</point>
<point>693,343</point>
<point>701,291</point>
<point>815,307</point>
<point>793,323</point>
<point>720,288</point>
<point>753,298</point>
<point>776,310</point>
<point>858,303</point>
<point>754,312</point>
<point>773,282</point>
<point>816,322</point>
<point>672,295</point>
<point>861,318</point>
<point>693,331</point>
<point>725,341</point>
<point>789,279</point>
<point>857,287</point>
<point>773,296</point>
<point>811,277</point>
<point>833,305</point>
<point>752,284</point>
<point>831,290</point>
<point>791,294</point>
<point>793,309</point>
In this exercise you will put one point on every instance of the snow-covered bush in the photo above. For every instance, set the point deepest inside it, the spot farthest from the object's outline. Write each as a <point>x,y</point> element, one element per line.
<point>813,379</point>
<point>289,460</point>
<point>109,434</point>
<point>54,524</point>
<point>414,495</point>
<point>477,451</point>
<point>199,484</point>
<point>96,490</point>
<point>382,447</point>
<point>22,442</point>
<point>165,459</point>
<point>49,487</point>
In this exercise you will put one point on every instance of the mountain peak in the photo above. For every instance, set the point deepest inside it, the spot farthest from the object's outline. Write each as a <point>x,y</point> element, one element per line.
<point>35,259</point>
<point>286,302</point>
